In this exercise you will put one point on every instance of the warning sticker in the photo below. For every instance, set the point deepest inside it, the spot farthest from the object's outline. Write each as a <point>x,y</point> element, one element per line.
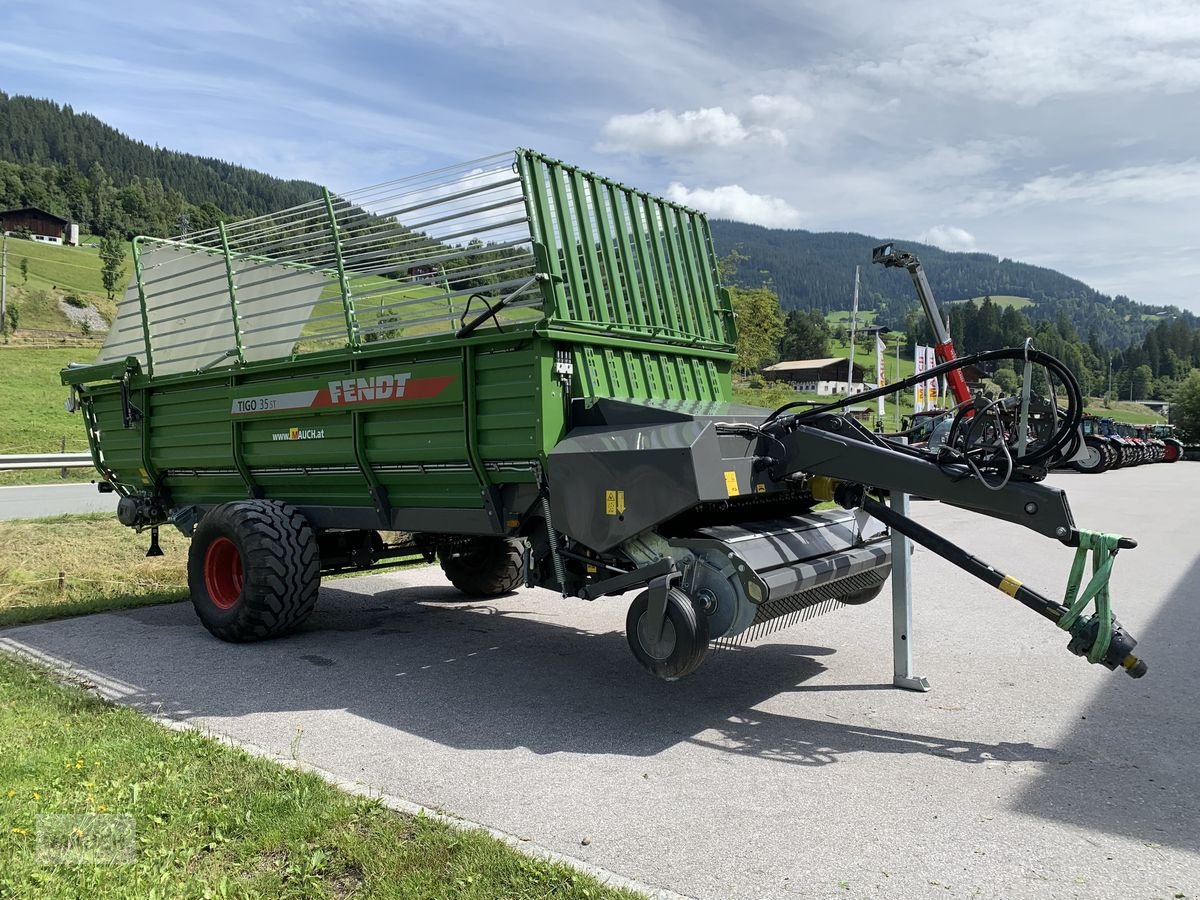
<point>614,502</point>
<point>731,485</point>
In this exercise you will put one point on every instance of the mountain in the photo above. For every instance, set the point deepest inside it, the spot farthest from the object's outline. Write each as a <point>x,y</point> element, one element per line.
<point>815,270</point>
<point>41,134</point>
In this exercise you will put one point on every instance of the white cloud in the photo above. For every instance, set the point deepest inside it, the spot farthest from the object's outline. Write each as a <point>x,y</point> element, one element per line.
<point>732,201</point>
<point>776,109</point>
<point>657,130</point>
<point>1028,52</point>
<point>1133,184</point>
<point>948,237</point>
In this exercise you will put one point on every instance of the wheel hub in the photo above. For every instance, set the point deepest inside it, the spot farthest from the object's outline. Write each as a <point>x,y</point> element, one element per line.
<point>223,575</point>
<point>660,648</point>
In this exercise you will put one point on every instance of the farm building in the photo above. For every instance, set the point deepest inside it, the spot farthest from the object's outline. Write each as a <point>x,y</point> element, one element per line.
<point>818,376</point>
<point>41,225</point>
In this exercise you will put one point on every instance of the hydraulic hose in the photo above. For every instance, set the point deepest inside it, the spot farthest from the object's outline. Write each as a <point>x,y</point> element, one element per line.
<point>1059,441</point>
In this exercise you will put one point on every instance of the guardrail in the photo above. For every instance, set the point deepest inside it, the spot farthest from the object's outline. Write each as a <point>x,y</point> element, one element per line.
<point>46,461</point>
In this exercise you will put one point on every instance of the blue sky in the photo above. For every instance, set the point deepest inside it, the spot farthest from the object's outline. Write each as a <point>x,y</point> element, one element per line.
<point>1064,135</point>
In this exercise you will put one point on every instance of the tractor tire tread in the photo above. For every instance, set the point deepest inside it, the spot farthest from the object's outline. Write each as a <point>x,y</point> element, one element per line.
<point>281,566</point>
<point>496,566</point>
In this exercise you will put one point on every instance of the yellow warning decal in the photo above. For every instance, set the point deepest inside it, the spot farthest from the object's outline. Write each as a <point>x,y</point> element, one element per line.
<point>145,475</point>
<point>614,502</point>
<point>731,485</point>
<point>760,488</point>
<point>1009,585</point>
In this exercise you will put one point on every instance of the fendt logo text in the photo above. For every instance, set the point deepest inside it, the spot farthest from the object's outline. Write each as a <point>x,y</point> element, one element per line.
<point>376,387</point>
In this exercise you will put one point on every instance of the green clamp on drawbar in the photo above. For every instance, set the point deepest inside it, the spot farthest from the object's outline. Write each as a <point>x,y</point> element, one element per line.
<point>1099,637</point>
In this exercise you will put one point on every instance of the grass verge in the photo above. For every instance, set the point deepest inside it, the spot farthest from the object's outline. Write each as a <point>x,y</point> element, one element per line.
<point>32,417</point>
<point>212,821</point>
<point>16,477</point>
<point>69,565</point>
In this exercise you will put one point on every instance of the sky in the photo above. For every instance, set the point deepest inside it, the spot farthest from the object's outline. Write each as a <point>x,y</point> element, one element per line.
<point>1060,134</point>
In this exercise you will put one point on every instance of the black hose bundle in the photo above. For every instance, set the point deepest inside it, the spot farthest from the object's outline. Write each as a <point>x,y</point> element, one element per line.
<point>970,417</point>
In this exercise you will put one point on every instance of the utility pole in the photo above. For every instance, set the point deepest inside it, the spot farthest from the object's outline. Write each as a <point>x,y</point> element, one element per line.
<point>853,322</point>
<point>897,381</point>
<point>4,285</point>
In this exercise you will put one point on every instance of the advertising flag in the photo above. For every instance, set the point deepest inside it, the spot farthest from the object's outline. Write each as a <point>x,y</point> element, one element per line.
<point>931,386</point>
<point>880,376</point>
<point>919,390</point>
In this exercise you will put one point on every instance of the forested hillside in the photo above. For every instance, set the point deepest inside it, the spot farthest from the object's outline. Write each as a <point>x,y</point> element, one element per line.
<point>76,166</point>
<point>815,270</point>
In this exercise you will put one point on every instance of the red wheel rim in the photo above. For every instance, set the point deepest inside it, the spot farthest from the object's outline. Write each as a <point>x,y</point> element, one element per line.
<point>223,572</point>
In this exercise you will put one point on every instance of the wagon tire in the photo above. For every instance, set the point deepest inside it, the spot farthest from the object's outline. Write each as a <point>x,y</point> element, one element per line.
<point>858,598</point>
<point>683,643</point>
<point>254,570</point>
<point>485,567</point>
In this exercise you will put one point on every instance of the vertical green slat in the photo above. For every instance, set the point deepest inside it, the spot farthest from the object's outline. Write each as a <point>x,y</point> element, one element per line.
<point>578,299</point>
<point>233,305</point>
<point>653,375</point>
<point>674,253</point>
<point>537,207</point>
<point>587,236</point>
<point>701,297</point>
<point>616,375</point>
<point>705,274</point>
<point>670,378</point>
<point>610,252</point>
<point>670,315</point>
<point>714,379</point>
<point>684,372</point>
<point>352,336</point>
<point>137,269</point>
<point>633,373</point>
<point>722,319</point>
<point>700,300</point>
<point>593,383</point>
<point>618,197</point>
<point>701,379</point>
<point>645,261</point>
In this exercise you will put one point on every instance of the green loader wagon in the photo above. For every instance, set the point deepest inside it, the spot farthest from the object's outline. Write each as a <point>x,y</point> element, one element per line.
<point>513,366</point>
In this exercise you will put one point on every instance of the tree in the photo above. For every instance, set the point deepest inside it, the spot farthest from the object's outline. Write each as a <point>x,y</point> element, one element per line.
<point>112,259</point>
<point>1141,379</point>
<point>1186,408</point>
<point>759,325</point>
<point>1007,380</point>
<point>14,316</point>
<point>25,269</point>
<point>805,336</point>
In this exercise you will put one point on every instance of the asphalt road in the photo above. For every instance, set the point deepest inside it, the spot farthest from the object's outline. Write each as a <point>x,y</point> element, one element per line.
<point>36,500</point>
<point>789,769</point>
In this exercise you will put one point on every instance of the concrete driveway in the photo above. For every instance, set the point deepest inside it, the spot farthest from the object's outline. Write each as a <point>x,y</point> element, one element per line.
<point>792,768</point>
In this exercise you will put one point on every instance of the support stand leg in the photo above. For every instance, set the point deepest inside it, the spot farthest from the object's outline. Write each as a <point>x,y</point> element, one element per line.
<point>902,664</point>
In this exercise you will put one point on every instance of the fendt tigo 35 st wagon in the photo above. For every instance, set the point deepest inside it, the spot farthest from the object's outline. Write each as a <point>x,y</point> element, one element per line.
<point>523,370</point>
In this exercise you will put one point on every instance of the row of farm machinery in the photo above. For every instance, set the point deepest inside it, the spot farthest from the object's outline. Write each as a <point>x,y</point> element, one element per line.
<point>1113,445</point>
